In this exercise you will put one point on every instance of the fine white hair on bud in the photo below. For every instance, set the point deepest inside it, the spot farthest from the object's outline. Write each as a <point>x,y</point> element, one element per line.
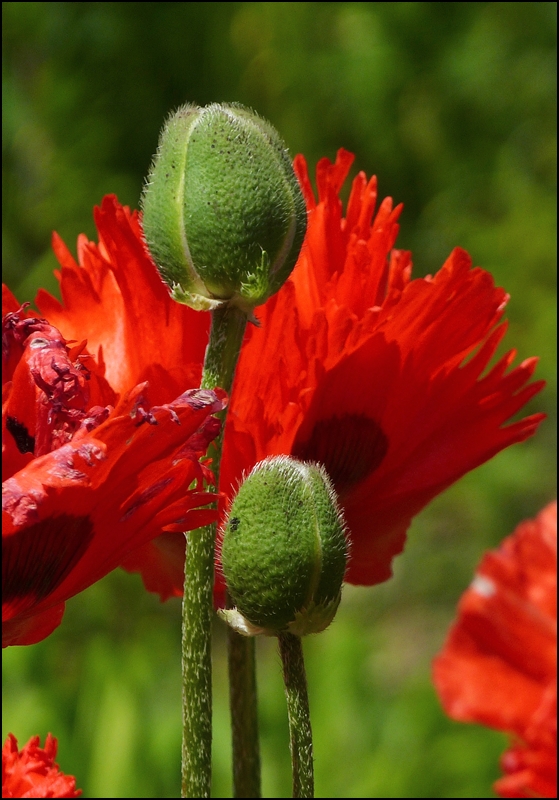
<point>223,214</point>
<point>284,550</point>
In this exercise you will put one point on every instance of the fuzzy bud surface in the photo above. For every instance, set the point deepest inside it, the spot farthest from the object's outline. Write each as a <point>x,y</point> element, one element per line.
<point>284,550</point>
<point>223,215</point>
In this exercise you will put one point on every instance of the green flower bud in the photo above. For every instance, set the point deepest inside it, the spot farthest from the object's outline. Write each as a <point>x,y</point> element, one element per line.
<point>223,215</point>
<point>284,550</point>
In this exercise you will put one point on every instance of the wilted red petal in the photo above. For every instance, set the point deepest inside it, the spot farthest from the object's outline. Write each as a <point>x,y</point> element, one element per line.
<point>84,495</point>
<point>75,514</point>
<point>33,772</point>
<point>499,664</point>
<point>51,390</point>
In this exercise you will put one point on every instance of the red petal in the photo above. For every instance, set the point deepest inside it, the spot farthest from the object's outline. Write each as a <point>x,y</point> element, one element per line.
<point>73,515</point>
<point>32,772</point>
<point>116,300</point>
<point>499,663</point>
<point>351,354</point>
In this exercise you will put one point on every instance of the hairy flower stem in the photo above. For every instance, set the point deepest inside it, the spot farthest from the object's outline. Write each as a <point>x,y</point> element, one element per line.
<point>300,733</point>
<point>226,336</point>
<point>244,718</point>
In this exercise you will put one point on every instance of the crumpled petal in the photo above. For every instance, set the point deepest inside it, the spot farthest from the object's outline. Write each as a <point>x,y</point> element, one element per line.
<point>93,483</point>
<point>33,772</point>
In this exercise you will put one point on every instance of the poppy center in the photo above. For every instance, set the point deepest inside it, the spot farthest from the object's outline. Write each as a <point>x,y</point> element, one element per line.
<point>350,447</point>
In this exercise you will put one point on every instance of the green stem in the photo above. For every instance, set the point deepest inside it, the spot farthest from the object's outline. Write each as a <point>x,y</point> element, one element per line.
<point>300,733</point>
<point>244,718</point>
<point>226,336</point>
<point>196,664</point>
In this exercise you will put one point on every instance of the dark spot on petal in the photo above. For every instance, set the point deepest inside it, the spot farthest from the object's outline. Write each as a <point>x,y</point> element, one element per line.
<point>350,447</point>
<point>24,442</point>
<point>37,558</point>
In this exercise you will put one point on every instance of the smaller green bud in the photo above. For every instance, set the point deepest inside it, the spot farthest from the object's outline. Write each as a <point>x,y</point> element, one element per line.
<point>284,550</point>
<point>223,214</point>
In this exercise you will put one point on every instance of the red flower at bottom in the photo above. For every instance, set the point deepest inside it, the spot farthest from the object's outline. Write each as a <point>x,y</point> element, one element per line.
<point>499,664</point>
<point>32,772</point>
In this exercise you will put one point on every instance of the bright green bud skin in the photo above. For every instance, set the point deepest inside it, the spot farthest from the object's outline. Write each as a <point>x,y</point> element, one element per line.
<point>223,214</point>
<point>284,550</point>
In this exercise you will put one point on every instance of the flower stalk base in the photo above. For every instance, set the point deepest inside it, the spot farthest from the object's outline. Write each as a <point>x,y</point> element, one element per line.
<point>244,718</point>
<point>300,734</point>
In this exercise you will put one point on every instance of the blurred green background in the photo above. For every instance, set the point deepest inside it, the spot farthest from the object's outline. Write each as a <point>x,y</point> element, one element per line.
<point>452,105</point>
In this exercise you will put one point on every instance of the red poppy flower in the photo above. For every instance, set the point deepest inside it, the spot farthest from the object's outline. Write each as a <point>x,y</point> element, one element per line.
<point>372,374</point>
<point>85,483</point>
<point>499,664</point>
<point>354,364</point>
<point>32,772</point>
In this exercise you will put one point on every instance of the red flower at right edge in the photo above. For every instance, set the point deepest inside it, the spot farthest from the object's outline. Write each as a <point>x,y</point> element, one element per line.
<point>499,664</point>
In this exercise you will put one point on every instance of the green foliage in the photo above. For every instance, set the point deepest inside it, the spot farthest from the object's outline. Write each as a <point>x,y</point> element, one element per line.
<point>453,106</point>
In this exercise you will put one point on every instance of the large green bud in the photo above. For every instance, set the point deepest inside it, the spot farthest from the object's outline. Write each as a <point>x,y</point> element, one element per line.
<point>284,550</point>
<point>223,215</point>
